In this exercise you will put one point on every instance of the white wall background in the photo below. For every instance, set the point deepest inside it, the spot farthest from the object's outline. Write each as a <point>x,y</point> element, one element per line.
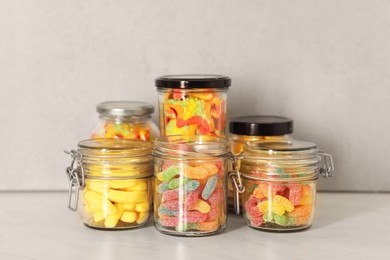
<point>326,64</point>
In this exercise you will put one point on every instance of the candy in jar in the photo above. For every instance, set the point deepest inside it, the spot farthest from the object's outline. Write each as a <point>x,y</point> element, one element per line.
<point>192,104</point>
<point>279,183</point>
<point>190,173</point>
<point>113,178</point>
<point>125,119</point>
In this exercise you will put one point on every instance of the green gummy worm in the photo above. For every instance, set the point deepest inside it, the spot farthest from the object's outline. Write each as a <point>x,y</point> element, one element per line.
<point>173,184</point>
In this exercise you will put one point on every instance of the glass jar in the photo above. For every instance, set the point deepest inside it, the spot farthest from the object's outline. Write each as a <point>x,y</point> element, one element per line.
<point>255,128</point>
<point>192,104</point>
<point>278,182</point>
<point>125,119</point>
<point>190,185</point>
<point>114,177</point>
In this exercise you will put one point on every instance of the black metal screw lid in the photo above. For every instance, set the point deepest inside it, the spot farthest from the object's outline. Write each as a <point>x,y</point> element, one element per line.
<point>191,81</point>
<point>261,125</point>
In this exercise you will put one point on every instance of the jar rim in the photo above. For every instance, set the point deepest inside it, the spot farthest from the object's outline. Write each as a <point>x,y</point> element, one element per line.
<point>278,148</point>
<point>115,144</point>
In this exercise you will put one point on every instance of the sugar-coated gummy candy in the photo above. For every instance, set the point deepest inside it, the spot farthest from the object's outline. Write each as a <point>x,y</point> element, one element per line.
<point>197,172</point>
<point>213,213</point>
<point>209,187</point>
<point>170,195</point>
<point>201,206</point>
<point>194,216</point>
<point>294,194</point>
<point>211,168</point>
<point>190,186</point>
<point>281,219</point>
<point>215,197</point>
<point>306,197</point>
<point>163,211</point>
<point>176,182</point>
<point>162,187</point>
<point>280,200</point>
<point>169,173</point>
<point>300,211</point>
<point>192,198</point>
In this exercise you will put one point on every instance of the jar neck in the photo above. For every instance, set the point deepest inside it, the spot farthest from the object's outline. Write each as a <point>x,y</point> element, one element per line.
<point>126,119</point>
<point>191,147</point>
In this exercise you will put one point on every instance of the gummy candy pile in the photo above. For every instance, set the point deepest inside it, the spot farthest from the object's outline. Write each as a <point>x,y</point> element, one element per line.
<point>123,130</point>
<point>190,198</point>
<point>193,113</point>
<point>276,205</point>
<point>116,203</point>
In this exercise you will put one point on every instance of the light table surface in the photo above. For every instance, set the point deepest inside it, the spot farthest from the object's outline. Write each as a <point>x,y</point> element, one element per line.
<point>38,225</point>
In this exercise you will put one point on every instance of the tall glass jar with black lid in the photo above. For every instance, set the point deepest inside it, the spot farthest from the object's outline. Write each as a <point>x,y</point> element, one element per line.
<point>192,104</point>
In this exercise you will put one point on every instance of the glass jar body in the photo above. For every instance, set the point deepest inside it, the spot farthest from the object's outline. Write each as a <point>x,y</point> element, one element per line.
<point>192,111</point>
<point>190,187</point>
<point>112,180</point>
<point>116,204</point>
<point>279,179</point>
<point>142,128</point>
<point>279,206</point>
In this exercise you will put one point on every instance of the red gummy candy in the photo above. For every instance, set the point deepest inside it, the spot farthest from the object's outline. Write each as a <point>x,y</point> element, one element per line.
<point>215,197</point>
<point>170,195</point>
<point>256,222</point>
<point>166,165</point>
<point>194,216</point>
<point>213,213</point>
<point>294,194</point>
<point>172,204</point>
<point>169,221</point>
<point>253,212</point>
<point>192,198</point>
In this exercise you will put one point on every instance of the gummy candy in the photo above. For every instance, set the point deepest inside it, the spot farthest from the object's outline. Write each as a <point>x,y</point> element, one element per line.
<point>116,203</point>
<point>209,187</point>
<point>194,199</point>
<point>286,205</point>
<point>191,113</point>
<point>294,194</point>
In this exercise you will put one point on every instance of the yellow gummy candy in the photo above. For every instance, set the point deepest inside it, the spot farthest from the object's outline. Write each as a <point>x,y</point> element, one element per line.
<point>280,200</point>
<point>139,186</point>
<point>98,201</point>
<point>129,206</point>
<point>142,217</point>
<point>142,206</point>
<point>127,196</point>
<point>276,208</point>
<point>112,220</point>
<point>97,186</point>
<point>129,216</point>
<point>201,206</point>
<point>98,216</point>
<point>122,184</point>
